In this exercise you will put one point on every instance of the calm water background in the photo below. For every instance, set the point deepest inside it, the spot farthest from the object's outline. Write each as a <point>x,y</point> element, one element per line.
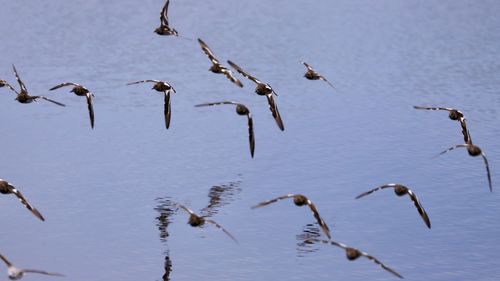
<point>107,192</point>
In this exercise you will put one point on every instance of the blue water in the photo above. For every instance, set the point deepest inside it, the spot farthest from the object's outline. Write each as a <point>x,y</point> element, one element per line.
<point>108,194</point>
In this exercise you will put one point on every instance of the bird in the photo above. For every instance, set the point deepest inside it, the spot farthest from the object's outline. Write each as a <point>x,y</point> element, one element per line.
<point>17,273</point>
<point>164,29</point>
<point>24,97</point>
<point>79,90</point>
<point>241,109</point>
<point>166,88</point>
<point>401,190</point>
<point>300,200</point>
<point>196,221</point>
<point>263,89</point>
<point>353,254</point>
<point>7,188</point>
<point>216,66</point>
<point>454,114</point>
<point>312,74</point>
<point>473,151</point>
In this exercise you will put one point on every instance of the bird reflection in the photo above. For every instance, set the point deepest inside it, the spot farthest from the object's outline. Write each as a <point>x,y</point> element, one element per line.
<point>309,231</point>
<point>168,268</point>
<point>220,196</point>
<point>166,209</point>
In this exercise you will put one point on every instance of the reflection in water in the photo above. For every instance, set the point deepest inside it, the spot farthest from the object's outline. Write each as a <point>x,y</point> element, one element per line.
<point>220,196</point>
<point>309,231</point>
<point>166,208</point>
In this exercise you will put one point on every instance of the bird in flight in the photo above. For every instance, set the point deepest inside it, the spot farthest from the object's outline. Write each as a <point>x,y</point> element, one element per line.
<point>263,89</point>
<point>300,200</point>
<point>7,188</point>
<point>353,254</point>
<point>81,91</point>
<point>166,88</point>
<point>241,109</point>
<point>23,96</point>
<point>401,190</point>
<point>454,114</point>
<point>17,273</point>
<point>312,74</point>
<point>196,221</point>
<point>473,151</point>
<point>164,28</point>
<point>216,66</point>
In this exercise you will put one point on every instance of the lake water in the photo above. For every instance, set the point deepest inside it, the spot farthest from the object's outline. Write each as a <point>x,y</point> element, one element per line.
<point>108,194</point>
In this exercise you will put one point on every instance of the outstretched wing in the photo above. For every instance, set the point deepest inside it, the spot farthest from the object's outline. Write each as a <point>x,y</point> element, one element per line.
<point>5,260</point>
<point>91,109</point>
<point>328,82</point>
<point>41,272</point>
<point>307,66</point>
<point>222,228</point>
<point>25,202</point>
<point>242,72</point>
<point>144,81</point>
<point>208,52</point>
<point>229,74</point>
<point>381,264</point>
<point>320,220</point>
<point>167,109</point>
<point>450,149</point>
<point>465,131</point>
<point>217,103</point>
<point>274,110</point>
<point>4,83</point>
<point>64,85</point>
<point>419,207</point>
<point>375,189</point>
<point>434,108</point>
<point>21,83</point>
<point>265,203</point>
<point>52,101</point>
<point>163,14</point>
<point>487,170</point>
<point>186,209</point>
<point>251,136</point>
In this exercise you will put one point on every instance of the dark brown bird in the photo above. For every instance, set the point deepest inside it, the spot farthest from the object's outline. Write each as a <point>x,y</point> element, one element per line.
<point>402,190</point>
<point>241,109</point>
<point>353,254</point>
<point>195,221</point>
<point>81,91</point>
<point>473,151</point>
<point>164,28</point>
<point>312,74</point>
<point>7,188</point>
<point>263,89</point>
<point>216,66</point>
<point>300,200</point>
<point>23,96</point>
<point>166,88</point>
<point>455,115</point>
<point>17,273</point>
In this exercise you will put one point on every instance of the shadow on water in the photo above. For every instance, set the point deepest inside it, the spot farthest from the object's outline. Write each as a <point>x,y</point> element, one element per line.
<point>309,231</point>
<point>166,208</point>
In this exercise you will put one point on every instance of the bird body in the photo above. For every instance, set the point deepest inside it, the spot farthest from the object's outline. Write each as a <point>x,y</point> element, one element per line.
<point>81,91</point>
<point>6,188</point>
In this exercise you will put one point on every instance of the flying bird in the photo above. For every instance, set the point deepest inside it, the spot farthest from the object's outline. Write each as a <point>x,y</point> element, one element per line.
<point>164,28</point>
<point>300,200</point>
<point>263,89</point>
<point>216,66</point>
<point>473,151</point>
<point>312,74</point>
<point>7,188</point>
<point>4,83</point>
<point>81,91</point>
<point>401,190</point>
<point>166,88</point>
<point>454,114</point>
<point>17,273</point>
<point>195,221</point>
<point>23,96</point>
<point>353,254</point>
<point>241,109</point>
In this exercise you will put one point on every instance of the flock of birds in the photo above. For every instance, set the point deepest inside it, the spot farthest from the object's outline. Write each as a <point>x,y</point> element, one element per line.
<point>262,89</point>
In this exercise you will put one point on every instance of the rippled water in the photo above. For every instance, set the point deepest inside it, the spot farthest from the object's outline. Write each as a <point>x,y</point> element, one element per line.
<point>109,194</point>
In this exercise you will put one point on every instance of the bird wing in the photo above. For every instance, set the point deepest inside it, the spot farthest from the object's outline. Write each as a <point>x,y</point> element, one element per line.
<point>375,189</point>
<point>91,109</point>
<point>9,86</point>
<point>64,85</point>
<point>208,52</point>
<point>25,202</point>
<point>274,110</point>
<point>251,136</point>
<point>52,101</point>
<point>222,228</point>
<point>328,82</point>
<point>381,264</point>
<point>167,109</point>
<point>5,260</point>
<point>217,103</point>
<point>465,131</point>
<point>242,72</point>
<point>41,272</point>
<point>143,81</point>
<point>307,66</point>
<point>433,108</point>
<point>420,208</point>
<point>229,74</point>
<point>450,149</point>
<point>163,14</point>
<point>487,170</point>
<point>21,83</point>
<point>264,203</point>
<point>186,209</point>
<point>320,220</point>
